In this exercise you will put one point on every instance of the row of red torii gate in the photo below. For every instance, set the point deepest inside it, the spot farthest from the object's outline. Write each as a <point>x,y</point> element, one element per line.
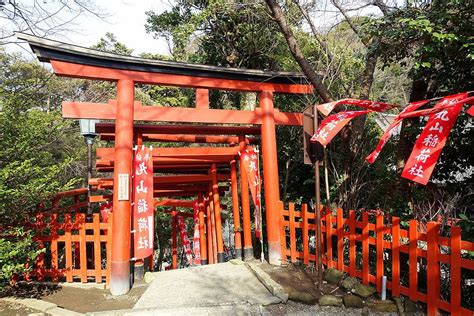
<point>179,173</point>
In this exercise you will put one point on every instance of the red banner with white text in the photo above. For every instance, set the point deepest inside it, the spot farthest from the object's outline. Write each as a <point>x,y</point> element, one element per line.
<point>332,124</point>
<point>327,108</point>
<point>184,239</point>
<point>395,124</point>
<point>432,139</point>
<point>196,237</point>
<point>249,161</point>
<point>105,210</point>
<point>143,203</point>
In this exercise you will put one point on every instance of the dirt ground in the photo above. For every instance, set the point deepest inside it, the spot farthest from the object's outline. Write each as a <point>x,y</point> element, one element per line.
<point>85,300</point>
<point>294,278</point>
<point>14,309</point>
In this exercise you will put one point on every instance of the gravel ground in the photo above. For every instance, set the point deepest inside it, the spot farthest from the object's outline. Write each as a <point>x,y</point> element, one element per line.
<point>14,309</point>
<point>295,308</point>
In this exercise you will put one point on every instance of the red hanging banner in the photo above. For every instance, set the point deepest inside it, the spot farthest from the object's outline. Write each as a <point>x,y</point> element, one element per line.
<point>327,108</point>
<point>105,210</point>
<point>143,203</point>
<point>249,161</point>
<point>432,139</point>
<point>332,124</point>
<point>184,239</point>
<point>196,237</point>
<point>470,111</point>
<point>395,124</point>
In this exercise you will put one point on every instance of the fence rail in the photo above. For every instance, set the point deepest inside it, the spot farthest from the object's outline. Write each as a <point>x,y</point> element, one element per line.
<point>77,246</point>
<point>361,248</point>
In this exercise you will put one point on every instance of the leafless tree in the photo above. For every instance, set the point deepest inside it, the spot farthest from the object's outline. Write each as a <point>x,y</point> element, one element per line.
<point>43,18</point>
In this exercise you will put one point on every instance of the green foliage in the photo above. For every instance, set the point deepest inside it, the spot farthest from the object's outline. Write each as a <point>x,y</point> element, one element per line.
<point>41,154</point>
<point>17,253</point>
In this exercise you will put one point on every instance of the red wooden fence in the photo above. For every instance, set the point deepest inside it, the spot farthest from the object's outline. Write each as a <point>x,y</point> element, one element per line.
<point>77,246</point>
<point>355,240</point>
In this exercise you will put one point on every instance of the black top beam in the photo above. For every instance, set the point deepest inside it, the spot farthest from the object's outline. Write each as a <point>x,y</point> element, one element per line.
<point>47,50</point>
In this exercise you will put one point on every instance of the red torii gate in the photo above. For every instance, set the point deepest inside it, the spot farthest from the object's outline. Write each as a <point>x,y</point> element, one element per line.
<point>78,62</point>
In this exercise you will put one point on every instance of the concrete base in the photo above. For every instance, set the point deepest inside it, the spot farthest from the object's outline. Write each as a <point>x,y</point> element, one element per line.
<point>274,253</point>
<point>238,253</point>
<point>139,270</point>
<point>120,278</point>
<point>204,262</point>
<point>220,257</point>
<point>248,253</point>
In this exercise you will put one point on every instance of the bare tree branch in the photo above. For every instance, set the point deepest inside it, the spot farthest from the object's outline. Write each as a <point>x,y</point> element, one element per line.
<point>310,73</point>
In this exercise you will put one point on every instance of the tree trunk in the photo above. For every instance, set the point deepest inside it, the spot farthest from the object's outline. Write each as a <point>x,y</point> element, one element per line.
<point>295,50</point>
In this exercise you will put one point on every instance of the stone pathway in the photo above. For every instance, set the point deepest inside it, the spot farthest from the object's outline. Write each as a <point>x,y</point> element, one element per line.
<point>224,285</point>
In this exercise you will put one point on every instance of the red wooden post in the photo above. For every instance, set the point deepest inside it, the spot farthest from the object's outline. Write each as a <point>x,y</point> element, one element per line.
<point>246,221</point>
<point>202,98</point>
<point>413,259</point>
<point>174,239</point>
<point>282,233</point>
<point>352,243</point>
<point>395,256</point>
<point>379,230</point>
<point>270,175</point>
<point>210,248</point>
<point>97,253</point>
<point>433,271</point>
<point>108,246</point>
<point>81,221</point>
<point>291,210</point>
<point>120,276</point>
<point>329,238</point>
<point>54,246</point>
<point>217,214</point>
<point>340,241</point>
<point>235,210</point>
<point>455,244</point>
<point>304,211</point>
<point>365,248</point>
<point>202,230</point>
<point>213,226</point>
<point>68,247</point>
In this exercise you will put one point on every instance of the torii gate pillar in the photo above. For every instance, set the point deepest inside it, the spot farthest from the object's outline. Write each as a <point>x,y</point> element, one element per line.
<point>270,177</point>
<point>120,274</point>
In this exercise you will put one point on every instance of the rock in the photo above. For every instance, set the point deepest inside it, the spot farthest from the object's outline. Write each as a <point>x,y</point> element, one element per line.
<point>333,276</point>
<point>386,306</point>
<point>349,283</point>
<point>353,301</point>
<point>149,277</point>
<point>330,300</point>
<point>302,297</point>
<point>399,302</point>
<point>364,291</point>
<point>236,261</point>
<point>410,306</point>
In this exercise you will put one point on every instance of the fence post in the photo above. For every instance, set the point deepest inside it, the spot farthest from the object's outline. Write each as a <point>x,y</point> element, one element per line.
<point>291,210</point>
<point>433,273</point>
<point>81,221</point>
<point>379,249</point>
<point>304,210</point>
<point>108,247</point>
<point>329,238</point>
<point>97,254</point>
<point>455,244</point>
<point>68,246</point>
<point>340,241</point>
<point>282,232</point>
<point>54,246</point>
<point>395,256</point>
<point>413,260</point>
<point>352,243</point>
<point>365,248</point>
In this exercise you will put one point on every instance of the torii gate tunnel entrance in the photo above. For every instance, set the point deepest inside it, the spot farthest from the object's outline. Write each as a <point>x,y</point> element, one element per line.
<point>78,62</point>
